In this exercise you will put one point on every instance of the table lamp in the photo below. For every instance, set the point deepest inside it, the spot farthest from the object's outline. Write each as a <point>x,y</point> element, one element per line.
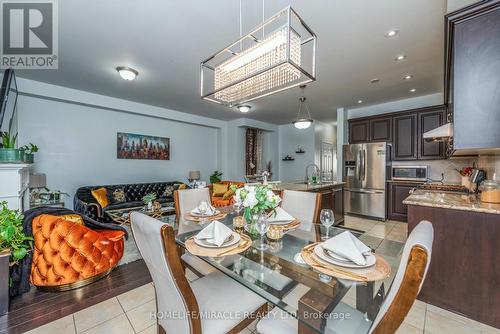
<point>194,175</point>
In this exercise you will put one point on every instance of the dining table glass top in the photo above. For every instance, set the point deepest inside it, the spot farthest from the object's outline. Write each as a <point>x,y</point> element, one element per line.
<point>298,289</point>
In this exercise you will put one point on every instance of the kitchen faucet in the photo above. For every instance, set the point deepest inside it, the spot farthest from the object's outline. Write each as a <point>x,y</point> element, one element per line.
<point>307,172</point>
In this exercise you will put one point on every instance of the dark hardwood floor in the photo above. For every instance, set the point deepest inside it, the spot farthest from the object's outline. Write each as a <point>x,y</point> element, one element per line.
<point>37,308</point>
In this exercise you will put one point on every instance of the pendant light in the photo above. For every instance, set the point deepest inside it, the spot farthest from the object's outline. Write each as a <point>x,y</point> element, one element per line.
<point>303,121</point>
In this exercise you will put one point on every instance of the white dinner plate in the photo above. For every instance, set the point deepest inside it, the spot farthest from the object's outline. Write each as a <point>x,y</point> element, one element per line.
<point>370,259</point>
<point>281,222</point>
<point>216,212</point>
<point>232,240</point>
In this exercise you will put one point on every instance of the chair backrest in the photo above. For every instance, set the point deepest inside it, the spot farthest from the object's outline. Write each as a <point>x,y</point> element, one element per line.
<point>408,281</point>
<point>302,205</point>
<point>188,199</point>
<point>156,243</point>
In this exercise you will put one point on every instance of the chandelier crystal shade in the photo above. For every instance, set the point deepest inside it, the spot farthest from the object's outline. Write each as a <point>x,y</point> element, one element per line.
<point>251,68</point>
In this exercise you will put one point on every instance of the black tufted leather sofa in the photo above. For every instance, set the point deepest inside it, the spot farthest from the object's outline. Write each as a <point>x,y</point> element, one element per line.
<point>85,203</point>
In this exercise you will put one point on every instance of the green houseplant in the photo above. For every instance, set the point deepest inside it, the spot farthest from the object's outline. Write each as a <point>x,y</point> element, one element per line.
<point>215,177</point>
<point>148,200</point>
<point>29,152</point>
<point>14,246</point>
<point>9,152</point>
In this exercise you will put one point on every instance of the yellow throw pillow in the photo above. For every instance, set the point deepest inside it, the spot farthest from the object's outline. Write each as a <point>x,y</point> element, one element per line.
<point>228,194</point>
<point>182,186</point>
<point>73,217</point>
<point>101,196</point>
<point>219,189</point>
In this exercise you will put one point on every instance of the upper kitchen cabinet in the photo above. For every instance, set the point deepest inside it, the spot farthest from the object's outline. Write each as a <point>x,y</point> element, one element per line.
<point>359,131</point>
<point>429,120</point>
<point>381,129</point>
<point>405,137</point>
<point>473,77</point>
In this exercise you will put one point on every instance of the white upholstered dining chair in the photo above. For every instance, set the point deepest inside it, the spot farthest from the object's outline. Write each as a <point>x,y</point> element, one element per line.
<point>304,206</point>
<point>213,294</point>
<point>186,200</point>
<point>404,290</point>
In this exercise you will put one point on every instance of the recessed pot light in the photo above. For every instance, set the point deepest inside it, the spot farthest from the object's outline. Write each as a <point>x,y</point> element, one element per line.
<point>360,101</point>
<point>127,73</point>
<point>400,57</point>
<point>408,77</point>
<point>374,80</point>
<point>413,90</point>
<point>244,108</point>
<point>391,33</point>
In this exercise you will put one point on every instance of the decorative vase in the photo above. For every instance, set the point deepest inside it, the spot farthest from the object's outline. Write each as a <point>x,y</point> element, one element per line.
<point>251,224</point>
<point>150,206</point>
<point>4,281</point>
<point>11,155</point>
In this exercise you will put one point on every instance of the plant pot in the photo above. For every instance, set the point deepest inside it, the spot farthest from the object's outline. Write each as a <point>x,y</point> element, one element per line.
<point>11,155</point>
<point>4,281</point>
<point>29,158</point>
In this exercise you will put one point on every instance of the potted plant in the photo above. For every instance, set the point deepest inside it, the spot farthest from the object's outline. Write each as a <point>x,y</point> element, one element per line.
<point>148,200</point>
<point>9,152</point>
<point>14,246</point>
<point>29,152</point>
<point>215,177</point>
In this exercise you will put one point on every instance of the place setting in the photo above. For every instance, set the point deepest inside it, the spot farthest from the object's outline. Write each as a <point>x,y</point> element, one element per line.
<point>216,240</point>
<point>204,212</point>
<point>280,222</point>
<point>346,257</point>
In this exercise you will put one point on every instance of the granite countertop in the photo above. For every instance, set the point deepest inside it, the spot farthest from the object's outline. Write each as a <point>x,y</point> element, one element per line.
<point>451,201</point>
<point>298,186</point>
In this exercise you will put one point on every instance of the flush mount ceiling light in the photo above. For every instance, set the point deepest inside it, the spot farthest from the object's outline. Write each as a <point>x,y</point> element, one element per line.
<point>263,62</point>
<point>127,73</point>
<point>375,80</point>
<point>391,33</point>
<point>244,108</point>
<point>408,77</point>
<point>303,122</point>
<point>360,101</point>
<point>413,90</point>
<point>400,58</point>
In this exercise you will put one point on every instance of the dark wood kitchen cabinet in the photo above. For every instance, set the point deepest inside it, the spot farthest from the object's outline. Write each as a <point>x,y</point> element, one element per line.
<point>405,137</point>
<point>381,129</point>
<point>398,191</point>
<point>359,131</point>
<point>429,120</point>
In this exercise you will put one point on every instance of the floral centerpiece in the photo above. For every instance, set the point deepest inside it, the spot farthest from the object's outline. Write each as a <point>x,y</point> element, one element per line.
<point>256,201</point>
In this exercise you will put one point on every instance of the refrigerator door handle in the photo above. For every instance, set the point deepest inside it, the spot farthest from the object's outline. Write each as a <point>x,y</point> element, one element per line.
<point>364,165</point>
<point>365,191</point>
<point>358,166</point>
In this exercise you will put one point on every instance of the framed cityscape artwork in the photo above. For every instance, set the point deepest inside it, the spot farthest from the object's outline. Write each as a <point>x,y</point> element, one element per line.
<point>134,146</point>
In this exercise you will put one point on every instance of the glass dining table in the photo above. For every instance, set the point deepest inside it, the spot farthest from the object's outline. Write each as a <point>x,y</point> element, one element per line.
<point>297,289</point>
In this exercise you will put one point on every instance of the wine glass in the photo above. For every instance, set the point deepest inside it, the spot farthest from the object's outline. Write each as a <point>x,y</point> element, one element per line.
<point>203,208</point>
<point>262,226</point>
<point>237,207</point>
<point>326,217</point>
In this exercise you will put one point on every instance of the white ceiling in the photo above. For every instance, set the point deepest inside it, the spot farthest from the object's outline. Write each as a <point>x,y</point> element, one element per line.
<point>166,39</point>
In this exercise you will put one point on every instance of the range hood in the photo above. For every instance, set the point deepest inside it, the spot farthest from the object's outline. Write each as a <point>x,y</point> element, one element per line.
<point>442,133</point>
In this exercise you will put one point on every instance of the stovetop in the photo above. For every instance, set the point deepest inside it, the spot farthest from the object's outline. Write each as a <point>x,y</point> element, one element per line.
<point>452,188</point>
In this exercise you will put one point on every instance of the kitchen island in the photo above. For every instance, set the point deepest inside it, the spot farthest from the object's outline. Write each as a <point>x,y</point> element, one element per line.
<point>332,195</point>
<point>464,273</point>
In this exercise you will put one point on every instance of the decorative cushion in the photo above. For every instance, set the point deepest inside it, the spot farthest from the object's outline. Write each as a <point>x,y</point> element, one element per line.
<point>219,189</point>
<point>101,196</point>
<point>228,194</point>
<point>116,195</point>
<point>169,191</point>
<point>73,217</point>
<point>182,186</point>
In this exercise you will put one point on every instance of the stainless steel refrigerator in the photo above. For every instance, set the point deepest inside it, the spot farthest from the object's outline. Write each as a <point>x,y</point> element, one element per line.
<point>364,171</point>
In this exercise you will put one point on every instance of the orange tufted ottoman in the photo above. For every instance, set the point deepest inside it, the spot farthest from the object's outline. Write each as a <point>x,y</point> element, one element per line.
<point>68,255</point>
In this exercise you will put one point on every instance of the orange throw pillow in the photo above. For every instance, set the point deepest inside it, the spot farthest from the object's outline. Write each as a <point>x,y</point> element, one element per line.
<point>228,194</point>
<point>219,189</point>
<point>72,217</point>
<point>101,196</point>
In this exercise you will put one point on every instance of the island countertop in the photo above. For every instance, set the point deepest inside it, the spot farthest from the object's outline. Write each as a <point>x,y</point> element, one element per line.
<point>451,201</point>
<point>301,186</point>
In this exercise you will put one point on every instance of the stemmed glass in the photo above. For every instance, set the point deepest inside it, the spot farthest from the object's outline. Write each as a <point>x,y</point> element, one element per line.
<point>262,226</point>
<point>203,208</point>
<point>326,217</point>
<point>237,207</point>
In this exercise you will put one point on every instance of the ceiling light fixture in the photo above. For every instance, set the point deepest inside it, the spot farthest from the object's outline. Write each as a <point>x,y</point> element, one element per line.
<point>391,33</point>
<point>244,108</point>
<point>303,122</point>
<point>374,80</point>
<point>263,62</point>
<point>413,90</point>
<point>408,77</point>
<point>400,58</point>
<point>360,101</point>
<point>127,73</point>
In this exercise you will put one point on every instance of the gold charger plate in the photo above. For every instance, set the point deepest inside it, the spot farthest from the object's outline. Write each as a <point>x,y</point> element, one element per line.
<point>242,246</point>
<point>285,227</point>
<point>188,216</point>
<point>379,271</point>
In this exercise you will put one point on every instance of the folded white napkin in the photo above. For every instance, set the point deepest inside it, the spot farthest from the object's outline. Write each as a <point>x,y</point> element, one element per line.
<point>347,245</point>
<point>280,216</point>
<point>215,233</point>
<point>210,211</point>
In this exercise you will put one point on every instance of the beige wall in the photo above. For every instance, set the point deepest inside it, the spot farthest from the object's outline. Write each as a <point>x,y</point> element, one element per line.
<point>453,5</point>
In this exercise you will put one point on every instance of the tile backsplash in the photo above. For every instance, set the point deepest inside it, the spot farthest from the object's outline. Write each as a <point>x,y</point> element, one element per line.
<point>449,167</point>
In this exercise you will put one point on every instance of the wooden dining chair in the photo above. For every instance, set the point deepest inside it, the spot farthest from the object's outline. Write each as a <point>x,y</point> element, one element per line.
<point>404,290</point>
<point>191,308</point>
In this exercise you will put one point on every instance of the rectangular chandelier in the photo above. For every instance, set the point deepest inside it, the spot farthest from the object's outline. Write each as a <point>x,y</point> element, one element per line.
<point>254,67</point>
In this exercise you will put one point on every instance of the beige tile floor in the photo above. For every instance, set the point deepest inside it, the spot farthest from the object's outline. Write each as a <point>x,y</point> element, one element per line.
<point>130,312</point>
